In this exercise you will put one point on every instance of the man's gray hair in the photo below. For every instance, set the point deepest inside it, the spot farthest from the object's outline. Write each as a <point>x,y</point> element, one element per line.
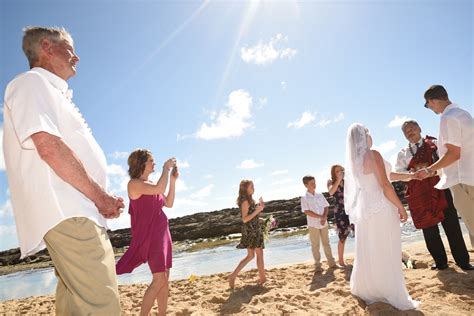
<point>409,122</point>
<point>33,35</point>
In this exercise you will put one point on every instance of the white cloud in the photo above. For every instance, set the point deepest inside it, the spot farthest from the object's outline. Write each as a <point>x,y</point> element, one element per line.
<point>115,169</point>
<point>117,179</point>
<point>321,179</point>
<point>283,85</point>
<point>7,230</point>
<point>226,198</point>
<point>123,221</point>
<point>290,189</point>
<point>6,209</point>
<point>257,181</point>
<point>182,164</point>
<point>393,160</point>
<point>249,164</point>
<point>279,172</point>
<point>202,193</point>
<point>2,159</point>
<point>286,191</point>
<point>288,53</point>
<point>262,102</point>
<point>180,186</point>
<point>323,122</point>
<point>305,119</point>
<point>283,181</point>
<point>386,147</point>
<point>398,121</point>
<point>230,121</point>
<point>154,176</point>
<point>338,117</point>
<point>180,137</point>
<point>267,53</point>
<point>119,155</point>
<point>208,176</point>
<point>178,202</point>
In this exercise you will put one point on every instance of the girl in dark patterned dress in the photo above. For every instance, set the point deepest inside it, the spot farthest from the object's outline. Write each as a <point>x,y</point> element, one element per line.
<point>252,232</point>
<point>344,227</point>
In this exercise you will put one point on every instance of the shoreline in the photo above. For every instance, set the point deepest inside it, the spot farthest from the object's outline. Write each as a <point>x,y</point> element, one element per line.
<point>294,288</point>
<point>186,246</point>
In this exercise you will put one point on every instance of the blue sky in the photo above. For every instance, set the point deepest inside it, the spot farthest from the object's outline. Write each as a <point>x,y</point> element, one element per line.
<point>261,89</point>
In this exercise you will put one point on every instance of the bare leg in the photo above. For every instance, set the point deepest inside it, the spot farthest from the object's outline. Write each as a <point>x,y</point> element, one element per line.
<point>241,265</point>
<point>158,289</point>
<point>340,252</point>
<point>163,293</point>
<point>260,266</point>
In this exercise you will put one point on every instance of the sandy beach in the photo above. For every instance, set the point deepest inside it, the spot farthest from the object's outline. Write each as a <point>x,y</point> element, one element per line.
<point>293,289</point>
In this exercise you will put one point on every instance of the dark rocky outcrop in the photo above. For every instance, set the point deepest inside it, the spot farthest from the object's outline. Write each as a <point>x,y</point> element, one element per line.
<point>220,223</point>
<point>12,257</point>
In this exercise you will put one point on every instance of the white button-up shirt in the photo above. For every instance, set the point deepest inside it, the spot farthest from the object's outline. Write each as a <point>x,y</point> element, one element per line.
<point>316,204</point>
<point>39,101</point>
<point>457,128</point>
<point>404,155</point>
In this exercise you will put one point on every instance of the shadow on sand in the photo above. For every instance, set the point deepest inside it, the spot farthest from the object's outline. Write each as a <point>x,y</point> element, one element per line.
<point>241,296</point>
<point>321,280</point>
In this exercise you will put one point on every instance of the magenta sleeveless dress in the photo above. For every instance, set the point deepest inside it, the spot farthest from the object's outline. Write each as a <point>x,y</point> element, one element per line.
<point>151,238</point>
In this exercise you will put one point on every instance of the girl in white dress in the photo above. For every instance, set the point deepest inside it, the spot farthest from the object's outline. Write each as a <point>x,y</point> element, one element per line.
<point>374,208</point>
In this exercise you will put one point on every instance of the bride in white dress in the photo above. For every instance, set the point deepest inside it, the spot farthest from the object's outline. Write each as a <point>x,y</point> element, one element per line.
<point>374,207</point>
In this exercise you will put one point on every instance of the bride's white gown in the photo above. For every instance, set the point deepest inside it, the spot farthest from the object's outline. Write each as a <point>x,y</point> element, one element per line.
<point>377,274</point>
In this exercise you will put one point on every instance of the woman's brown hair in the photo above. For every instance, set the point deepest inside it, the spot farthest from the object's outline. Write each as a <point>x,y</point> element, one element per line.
<point>137,161</point>
<point>333,172</point>
<point>243,195</point>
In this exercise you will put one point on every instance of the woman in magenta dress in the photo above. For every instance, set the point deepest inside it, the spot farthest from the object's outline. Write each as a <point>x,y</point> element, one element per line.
<point>151,238</point>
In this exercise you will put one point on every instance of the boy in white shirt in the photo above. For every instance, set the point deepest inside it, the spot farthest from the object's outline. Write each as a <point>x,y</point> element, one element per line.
<point>315,206</point>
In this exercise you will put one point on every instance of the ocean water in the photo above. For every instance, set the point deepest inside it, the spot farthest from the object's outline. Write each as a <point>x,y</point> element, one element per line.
<point>280,249</point>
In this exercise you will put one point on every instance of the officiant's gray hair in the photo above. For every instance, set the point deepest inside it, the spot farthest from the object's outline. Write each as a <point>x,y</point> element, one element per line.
<point>409,122</point>
<point>33,35</point>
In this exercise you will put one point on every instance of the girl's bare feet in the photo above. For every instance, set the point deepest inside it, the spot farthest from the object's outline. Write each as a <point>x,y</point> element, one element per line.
<point>342,263</point>
<point>261,282</point>
<point>231,281</point>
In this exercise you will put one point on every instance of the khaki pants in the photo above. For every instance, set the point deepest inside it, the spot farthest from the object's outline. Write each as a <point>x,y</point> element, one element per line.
<point>316,235</point>
<point>85,266</point>
<point>463,196</point>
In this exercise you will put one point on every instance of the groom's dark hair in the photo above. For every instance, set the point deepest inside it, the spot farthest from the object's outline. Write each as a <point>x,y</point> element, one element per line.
<point>436,92</point>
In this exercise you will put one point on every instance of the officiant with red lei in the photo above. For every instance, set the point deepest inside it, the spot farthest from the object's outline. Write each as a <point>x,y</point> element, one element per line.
<point>428,205</point>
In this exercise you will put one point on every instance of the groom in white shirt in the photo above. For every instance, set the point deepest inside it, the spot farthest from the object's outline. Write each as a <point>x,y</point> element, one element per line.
<point>456,149</point>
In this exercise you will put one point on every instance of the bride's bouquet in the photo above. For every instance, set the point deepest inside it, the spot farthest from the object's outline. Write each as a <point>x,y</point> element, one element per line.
<point>268,224</point>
